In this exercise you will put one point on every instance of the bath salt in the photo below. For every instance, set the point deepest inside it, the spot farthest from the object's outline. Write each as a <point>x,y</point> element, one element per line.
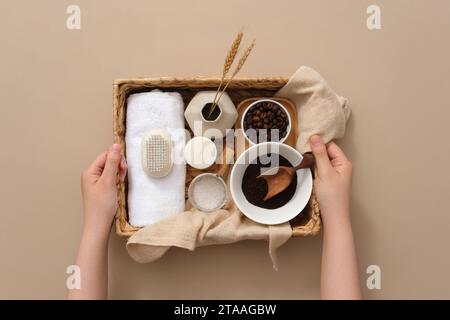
<point>209,193</point>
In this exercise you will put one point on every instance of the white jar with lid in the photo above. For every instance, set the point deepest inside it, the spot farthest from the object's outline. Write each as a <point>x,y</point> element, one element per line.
<point>200,152</point>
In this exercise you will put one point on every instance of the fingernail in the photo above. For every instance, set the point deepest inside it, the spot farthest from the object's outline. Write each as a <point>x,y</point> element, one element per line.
<point>316,140</point>
<point>115,148</point>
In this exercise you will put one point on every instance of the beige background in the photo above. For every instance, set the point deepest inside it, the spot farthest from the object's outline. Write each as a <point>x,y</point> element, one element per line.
<point>56,116</point>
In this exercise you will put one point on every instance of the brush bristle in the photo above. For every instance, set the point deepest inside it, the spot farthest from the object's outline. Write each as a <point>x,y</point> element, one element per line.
<point>156,155</point>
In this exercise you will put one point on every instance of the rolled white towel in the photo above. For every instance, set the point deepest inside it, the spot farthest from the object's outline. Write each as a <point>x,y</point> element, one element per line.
<point>152,199</point>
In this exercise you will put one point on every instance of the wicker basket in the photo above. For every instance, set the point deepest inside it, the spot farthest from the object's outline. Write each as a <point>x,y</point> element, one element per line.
<point>306,223</point>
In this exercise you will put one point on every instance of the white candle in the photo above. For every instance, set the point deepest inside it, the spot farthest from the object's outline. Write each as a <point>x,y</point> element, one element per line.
<point>200,152</point>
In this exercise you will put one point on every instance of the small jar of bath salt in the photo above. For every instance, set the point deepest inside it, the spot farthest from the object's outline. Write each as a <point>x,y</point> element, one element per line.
<point>200,152</point>
<point>208,192</point>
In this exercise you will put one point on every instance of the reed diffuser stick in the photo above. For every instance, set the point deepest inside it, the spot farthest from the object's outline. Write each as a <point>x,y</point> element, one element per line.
<point>238,68</point>
<point>229,59</point>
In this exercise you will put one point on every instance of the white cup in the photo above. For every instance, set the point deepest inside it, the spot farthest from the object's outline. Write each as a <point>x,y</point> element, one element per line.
<point>288,130</point>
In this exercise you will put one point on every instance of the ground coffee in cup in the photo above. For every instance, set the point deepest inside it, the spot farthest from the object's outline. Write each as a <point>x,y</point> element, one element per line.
<point>255,189</point>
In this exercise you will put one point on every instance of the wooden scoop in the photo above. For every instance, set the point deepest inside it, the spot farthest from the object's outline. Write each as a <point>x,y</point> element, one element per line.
<point>279,178</point>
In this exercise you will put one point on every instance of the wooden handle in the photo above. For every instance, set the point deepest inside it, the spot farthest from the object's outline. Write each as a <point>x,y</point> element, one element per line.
<point>308,161</point>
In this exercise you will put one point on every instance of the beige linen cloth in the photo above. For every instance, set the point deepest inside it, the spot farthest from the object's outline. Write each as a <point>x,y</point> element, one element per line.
<point>320,111</point>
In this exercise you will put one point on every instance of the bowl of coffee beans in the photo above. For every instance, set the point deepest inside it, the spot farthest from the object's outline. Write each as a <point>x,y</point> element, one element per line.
<point>266,120</point>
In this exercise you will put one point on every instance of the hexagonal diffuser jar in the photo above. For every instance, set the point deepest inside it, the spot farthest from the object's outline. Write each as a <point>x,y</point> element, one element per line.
<point>211,125</point>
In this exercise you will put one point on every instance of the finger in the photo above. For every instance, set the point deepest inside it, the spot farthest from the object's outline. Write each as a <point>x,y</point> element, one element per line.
<point>123,169</point>
<point>112,163</point>
<point>320,153</point>
<point>336,154</point>
<point>96,167</point>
